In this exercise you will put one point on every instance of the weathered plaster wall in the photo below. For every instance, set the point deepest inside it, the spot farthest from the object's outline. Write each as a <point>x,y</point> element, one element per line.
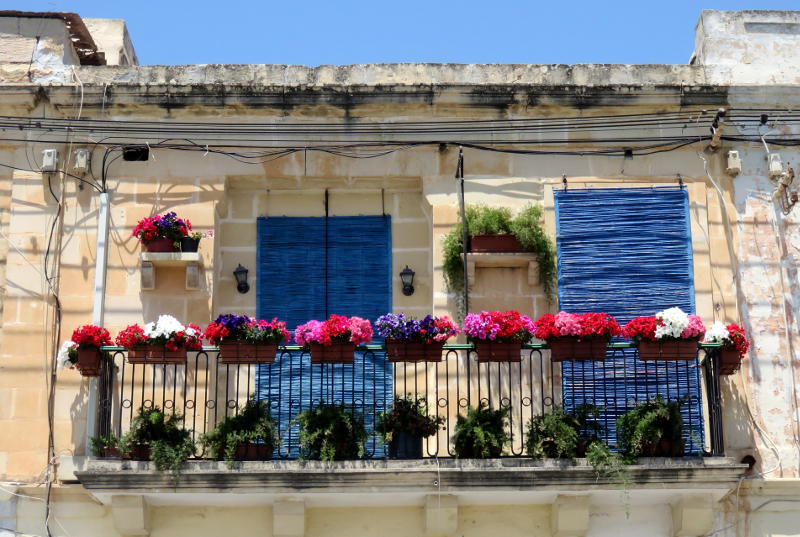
<point>35,48</point>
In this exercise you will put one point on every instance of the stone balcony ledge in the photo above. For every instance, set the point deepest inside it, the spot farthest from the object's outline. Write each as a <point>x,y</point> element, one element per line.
<point>509,480</point>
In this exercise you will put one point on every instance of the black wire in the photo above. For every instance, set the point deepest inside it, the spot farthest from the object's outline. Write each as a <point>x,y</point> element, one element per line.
<point>57,171</point>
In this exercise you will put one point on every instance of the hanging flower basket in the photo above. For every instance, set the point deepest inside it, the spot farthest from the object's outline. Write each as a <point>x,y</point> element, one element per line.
<point>89,361</point>
<point>734,345</point>
<point>240,352</point>
<point>498,351</point>
<point>412,351</point>
<point>564,349</point>
<point>161,245</point>
<point>495,243</point>
<point>156,354</point>
<point>336,353</point>
<point>671,350</point>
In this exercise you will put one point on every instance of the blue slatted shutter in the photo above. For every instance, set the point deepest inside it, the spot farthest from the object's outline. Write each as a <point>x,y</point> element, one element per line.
<point>627,252</point>
<point>309,268</point>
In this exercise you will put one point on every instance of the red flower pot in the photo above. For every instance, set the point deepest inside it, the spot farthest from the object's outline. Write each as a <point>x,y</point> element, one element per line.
<point>89,359</point>
<point>160,245</point>
<point>496,351</point>
<point>495,243</point>
<point>111,452</point>
<point>576,349</point>
<point>156,354</point>
<point>412,351</point>
<point>240,352</point>
<point>729,361</point>
<point>675,350</point>
<point>335,353</point>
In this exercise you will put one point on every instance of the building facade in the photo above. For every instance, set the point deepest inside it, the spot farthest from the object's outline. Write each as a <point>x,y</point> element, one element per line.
<point>325,183</point>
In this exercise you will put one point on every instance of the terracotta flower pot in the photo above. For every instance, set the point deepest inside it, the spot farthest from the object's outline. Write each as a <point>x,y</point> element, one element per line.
<point>571,348</point>
<point>249,451</point>
<point>89,360</point>
<point>675,350</point>
<point>140,452</point>
<point>496,351</point>
<point>240,352</point>
<point>412,351</point>
<point>156,354</point>
<point>160,245</point>
<point>729,361</point>
<point>112,452</point>
<point>495,243</point>
<point>335,353</point>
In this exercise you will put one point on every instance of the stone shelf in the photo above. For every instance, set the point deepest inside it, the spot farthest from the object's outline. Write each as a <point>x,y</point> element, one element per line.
<point>503,260</point>
<point>190,260</point>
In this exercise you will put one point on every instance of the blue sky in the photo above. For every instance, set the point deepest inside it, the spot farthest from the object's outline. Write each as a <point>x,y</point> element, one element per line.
<point>312,32</point>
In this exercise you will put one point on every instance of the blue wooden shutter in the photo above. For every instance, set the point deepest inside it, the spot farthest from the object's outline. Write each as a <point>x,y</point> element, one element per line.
<point>309,268</point>
<point>627,252</point>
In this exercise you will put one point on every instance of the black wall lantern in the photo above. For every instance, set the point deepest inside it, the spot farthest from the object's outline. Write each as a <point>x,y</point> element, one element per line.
<point>407,277</point>
<point>241,279</point>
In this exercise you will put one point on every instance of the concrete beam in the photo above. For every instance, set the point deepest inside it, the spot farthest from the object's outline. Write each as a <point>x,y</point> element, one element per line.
<point>569,516</point>
<point>131,515</point>
<point>289,518</point>
<point>692,516</point>
<point>441,515</point>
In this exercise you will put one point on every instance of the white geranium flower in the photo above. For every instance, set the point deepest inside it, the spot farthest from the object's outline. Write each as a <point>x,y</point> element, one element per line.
<point>165,326</point>
<point>673,322</point>
<point>717,333</point>
<point>62,359</point>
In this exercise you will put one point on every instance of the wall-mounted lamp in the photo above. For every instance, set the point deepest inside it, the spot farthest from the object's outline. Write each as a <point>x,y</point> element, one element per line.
<point>407,277</point>
<point>241,279</point>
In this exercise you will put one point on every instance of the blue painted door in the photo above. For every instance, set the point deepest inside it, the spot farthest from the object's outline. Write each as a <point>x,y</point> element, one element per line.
<point>309,268</point>
<point>627,252</point>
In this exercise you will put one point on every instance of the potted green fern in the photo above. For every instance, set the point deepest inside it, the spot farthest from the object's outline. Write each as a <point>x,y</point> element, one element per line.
<point>652,429</point>
<point>159,437</point>
<point>562,435</point>
<point>330,433</point>
<point>249,435</point>
<point>481,434</point>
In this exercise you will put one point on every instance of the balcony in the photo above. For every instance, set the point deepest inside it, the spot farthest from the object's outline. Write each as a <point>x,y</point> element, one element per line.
<point>205,391</point>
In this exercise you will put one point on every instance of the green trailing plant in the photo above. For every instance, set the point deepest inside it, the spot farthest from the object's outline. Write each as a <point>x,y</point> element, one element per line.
<point>331,432</point>
<point>611,466</point>
<point>527,226</point>
<point>652,428</point>
<point>170,443</point>
<point>408,415</point>
<point>562,435</point>
<point>253,424</point>
<point>481,433</point>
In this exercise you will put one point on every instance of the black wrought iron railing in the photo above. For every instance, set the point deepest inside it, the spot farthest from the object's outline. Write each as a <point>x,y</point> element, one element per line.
<point>206,391</point>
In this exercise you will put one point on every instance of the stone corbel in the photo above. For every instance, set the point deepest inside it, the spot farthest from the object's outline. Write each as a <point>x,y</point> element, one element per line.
<point>131,515</point>
<point>289,518</point>
<point>441,515</point>
<point>569,516</point>
<point>692,516</point>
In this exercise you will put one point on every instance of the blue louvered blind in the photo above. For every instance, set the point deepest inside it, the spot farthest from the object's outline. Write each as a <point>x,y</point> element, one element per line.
<point>309,268</point>
<point>627,252</point>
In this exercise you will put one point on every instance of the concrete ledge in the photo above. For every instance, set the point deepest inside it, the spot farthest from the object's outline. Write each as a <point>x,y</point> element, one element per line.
<point>380,478</point>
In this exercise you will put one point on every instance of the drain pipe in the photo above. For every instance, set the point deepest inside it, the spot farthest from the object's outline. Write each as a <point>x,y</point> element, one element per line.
<point>98,312</point>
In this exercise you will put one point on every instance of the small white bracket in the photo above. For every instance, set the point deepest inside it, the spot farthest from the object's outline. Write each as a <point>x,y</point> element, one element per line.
<point>190,260</point>
<point>441,515</point>
<point>692,516</point>
<point>503,260</point>
<point>569,516</point>
<point>289,518</point>
<point>131,515</point>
